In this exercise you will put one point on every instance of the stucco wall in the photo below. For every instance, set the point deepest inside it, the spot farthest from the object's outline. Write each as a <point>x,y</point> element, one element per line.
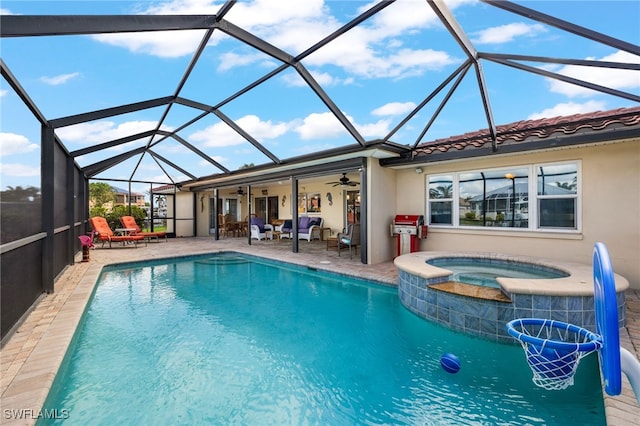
<point>184,214</point>
<point>610,208</point>
<point>382,209</point>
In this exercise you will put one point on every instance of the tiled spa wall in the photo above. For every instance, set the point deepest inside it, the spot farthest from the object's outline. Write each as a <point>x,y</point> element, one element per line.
<point>488,318</point>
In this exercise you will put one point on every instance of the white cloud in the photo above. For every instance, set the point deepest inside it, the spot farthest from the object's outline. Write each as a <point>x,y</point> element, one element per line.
<point>11,143</point>
<point>325,79</point>
<point>507,33</point>
<point>231,60</point>
<point>293,26</point>
<point>289,24</point>
<point>20,170</point>
<point>165,44</point>
<point>608,77</point>
<point>320,125</point>
<point>374,130</point>
<point>217,158</point>
<point>59,79</point>
<point>164,148</point>
<point>104,131</point>
<point>3,92</point>
<point>327,126</point>
<point>394,108</point>
<point>220,135</point>
<point>569,108</point>
<point>168,44</point>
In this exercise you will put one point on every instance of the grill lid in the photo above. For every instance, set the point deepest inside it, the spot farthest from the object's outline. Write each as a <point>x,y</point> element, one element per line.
<point>408,219</point>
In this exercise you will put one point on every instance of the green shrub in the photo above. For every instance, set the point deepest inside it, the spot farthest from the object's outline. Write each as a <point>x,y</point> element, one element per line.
<point>113,217</point>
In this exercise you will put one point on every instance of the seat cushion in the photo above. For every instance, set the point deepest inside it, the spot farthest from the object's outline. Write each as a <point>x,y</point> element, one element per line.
<point>258,222</point>
<point>303,223</point>
<point>287,226</point>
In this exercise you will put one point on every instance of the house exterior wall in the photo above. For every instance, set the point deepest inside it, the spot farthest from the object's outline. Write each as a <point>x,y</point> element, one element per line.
<point>382,186</point>
<point>610,208</point>
<point>183,214</point>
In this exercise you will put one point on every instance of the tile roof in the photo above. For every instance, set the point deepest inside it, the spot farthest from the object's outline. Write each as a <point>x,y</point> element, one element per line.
<point>535,130</point>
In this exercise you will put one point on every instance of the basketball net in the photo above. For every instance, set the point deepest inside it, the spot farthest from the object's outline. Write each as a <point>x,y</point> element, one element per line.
<point>553,349</point>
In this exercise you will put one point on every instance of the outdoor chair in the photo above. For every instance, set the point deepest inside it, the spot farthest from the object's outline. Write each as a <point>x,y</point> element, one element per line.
<point>129,222</point>
<point>105,234</point>
<point>259,228</point>
<point>349,238</point>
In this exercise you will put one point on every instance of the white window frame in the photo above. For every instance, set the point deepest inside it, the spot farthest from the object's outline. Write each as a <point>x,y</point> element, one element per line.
<point>533,199</point>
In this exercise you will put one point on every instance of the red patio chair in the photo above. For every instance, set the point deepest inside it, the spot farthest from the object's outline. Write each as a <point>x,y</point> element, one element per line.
<point>130,223</point>
<point>105,234</point>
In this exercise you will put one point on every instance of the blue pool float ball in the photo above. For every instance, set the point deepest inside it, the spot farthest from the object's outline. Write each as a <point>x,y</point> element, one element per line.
<point>450,363</point>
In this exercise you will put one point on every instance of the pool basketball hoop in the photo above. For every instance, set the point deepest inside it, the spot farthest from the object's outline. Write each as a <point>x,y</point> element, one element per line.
<point>554,348</point>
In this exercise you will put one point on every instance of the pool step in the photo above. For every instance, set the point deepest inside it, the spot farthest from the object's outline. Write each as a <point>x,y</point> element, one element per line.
<point>470,290</point>
<point>224,260</point>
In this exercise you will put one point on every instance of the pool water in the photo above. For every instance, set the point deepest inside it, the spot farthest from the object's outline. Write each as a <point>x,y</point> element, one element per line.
<point>224,339</point>
<point>480,271</point>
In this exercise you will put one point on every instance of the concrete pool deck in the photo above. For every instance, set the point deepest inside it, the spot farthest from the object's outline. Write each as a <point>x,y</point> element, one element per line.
<point>31,356</point>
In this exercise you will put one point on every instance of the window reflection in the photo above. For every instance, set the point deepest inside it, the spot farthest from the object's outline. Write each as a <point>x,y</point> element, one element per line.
<point>502,197</point>
<point>441,189</point>
<point>557,195</point>
<point>495,198</point>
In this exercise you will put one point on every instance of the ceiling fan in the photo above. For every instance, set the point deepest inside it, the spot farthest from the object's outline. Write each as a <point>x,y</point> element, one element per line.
<point>344,181</point>
<point>240,191</point>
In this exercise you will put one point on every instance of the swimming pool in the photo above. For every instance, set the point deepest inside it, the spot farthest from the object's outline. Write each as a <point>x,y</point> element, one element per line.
<point>484,272</point>
<point>225,339</point>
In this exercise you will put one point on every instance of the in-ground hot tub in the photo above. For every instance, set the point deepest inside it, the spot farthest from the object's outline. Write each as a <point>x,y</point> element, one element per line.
<point>428,291</point>
<point>486,271</point>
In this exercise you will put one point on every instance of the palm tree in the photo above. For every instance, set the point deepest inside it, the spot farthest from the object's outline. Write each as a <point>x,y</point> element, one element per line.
<point>441,192</point>
<point>18,193</point>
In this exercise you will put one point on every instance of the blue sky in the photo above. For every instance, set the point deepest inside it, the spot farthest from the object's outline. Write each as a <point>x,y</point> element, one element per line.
<point>376,74</point>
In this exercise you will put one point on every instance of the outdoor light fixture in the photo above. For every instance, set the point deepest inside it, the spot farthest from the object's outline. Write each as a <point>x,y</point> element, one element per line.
<point>419,170</point>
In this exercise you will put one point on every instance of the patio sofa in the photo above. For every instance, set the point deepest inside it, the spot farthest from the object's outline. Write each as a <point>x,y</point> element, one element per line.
<point>308,228</point>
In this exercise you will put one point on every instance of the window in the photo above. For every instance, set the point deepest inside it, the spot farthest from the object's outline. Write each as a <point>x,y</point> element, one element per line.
<point>441,199</point>
<point>501,197</point>
<point>557,195</point>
